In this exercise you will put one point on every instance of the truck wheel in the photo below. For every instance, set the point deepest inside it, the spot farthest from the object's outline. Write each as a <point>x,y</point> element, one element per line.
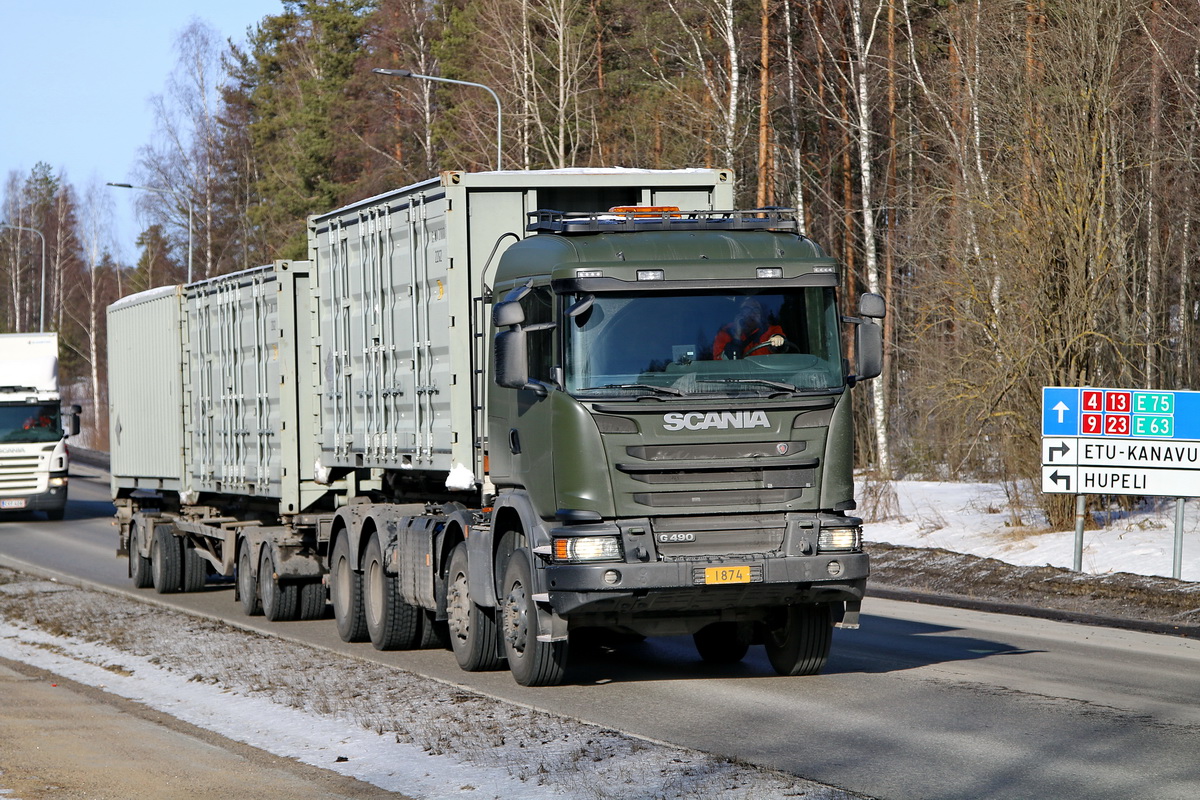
<point>533,663</point>
<point>139,565</point>
<point>280,601</point>
<point>433,634</point>
<point>195,570</point>
<point>312,600</point>
<point>166,560</point>
<point>247,586</point>
<point>798,643</point>
<point>723,642</point>
<point>346,594</point>
<point>472,629</point>
<point>392,623</point>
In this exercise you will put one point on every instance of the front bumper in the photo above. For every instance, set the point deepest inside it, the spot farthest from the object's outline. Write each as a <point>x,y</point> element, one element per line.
<point>53,499</point>
<point>678,586</point>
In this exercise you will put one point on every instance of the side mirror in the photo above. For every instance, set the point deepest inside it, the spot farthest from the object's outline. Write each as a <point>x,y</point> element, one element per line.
<point>507,313</point>
<point>868,345</point>
<point>871,306</point>
<point>512,363</point>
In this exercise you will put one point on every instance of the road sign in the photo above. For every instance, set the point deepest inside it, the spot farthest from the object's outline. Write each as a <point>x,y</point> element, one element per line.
<point>1146,453</point>
<point>1120,480</point>
<point>1133,413</point>
<point>1120,441</point>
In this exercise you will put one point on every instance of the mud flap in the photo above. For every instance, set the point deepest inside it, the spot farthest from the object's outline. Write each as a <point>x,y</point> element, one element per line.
<point>551,627</point>
<point>847,619</point>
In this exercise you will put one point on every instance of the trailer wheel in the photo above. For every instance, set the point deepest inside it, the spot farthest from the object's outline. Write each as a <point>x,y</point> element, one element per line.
<point>280,601</point>
<point>166,560</point>
<point>312,600</point>
<point>346,594</point>
<point>533,663</point>
<point>723,642</point>
<point>139,565</point>
<point>195,570</point>
<point>247,586</point>
<point>798,642</point>
<point>472,629</point>
<point>392,623</point>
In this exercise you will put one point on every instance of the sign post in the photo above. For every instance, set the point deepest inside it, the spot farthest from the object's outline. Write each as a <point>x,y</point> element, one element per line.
<point>1121,441</point>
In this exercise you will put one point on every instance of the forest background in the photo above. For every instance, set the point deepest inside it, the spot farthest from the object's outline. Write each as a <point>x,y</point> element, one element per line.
<point>1017,177</point>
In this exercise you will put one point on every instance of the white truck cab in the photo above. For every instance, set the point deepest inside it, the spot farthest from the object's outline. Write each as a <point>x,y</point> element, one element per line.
<point>33,427</point>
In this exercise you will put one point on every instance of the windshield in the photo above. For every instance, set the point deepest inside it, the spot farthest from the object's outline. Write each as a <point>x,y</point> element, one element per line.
<point>30,423</point>
<point>715,342</point>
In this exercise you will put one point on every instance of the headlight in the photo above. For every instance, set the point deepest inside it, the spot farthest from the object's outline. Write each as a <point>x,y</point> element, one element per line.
<point>839,539</point>
<point>58,481</point>
<point>588,548</point>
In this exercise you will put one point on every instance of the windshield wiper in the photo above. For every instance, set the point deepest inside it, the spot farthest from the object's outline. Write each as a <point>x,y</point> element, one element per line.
<point>662,389</point>
<point>786,387</point>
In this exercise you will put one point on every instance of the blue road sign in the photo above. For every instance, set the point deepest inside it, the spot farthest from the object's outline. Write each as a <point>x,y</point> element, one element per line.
<point>1120,413</point>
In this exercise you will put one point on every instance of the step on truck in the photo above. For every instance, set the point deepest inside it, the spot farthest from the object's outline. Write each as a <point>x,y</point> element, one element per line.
<point>33,426</point>
<point>493,411</point>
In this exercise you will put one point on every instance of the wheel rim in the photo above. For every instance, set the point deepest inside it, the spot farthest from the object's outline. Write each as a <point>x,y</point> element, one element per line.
<point>458,608</point>
<point>245,579</point>
<point>341,584</point>
<point>374,592</point>
<point>516,619</point>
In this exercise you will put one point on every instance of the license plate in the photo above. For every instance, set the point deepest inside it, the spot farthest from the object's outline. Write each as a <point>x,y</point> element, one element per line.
<point>727,574</point>
<point>16,503</point>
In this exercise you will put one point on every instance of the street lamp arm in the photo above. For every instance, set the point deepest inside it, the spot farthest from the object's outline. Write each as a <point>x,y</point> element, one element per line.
<point>406,73</point>
<point>185,198</point>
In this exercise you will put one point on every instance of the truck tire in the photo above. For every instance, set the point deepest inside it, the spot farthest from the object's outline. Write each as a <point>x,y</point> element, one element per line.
<point>280,601</point>
<point>472,629</point>
<point>139,565</point>
<point>247,585</point>
<point>723,642</point>
<point>433,634</point>
<point>312,600</point>
<point>166,560</point>
<point>195,570</point>
<point>798,643</point>
<point>392,623</point>
<point>532,662</point>
<point>346,594</point>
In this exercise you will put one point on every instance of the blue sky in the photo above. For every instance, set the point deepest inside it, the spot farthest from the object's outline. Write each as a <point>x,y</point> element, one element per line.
<point>78,77</point>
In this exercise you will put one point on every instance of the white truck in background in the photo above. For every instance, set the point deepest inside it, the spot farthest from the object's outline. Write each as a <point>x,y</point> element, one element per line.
<point>33,446</point>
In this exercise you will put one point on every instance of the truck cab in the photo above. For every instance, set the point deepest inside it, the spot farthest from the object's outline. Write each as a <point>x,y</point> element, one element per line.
<point>33,427</point>
<point>671,425</point>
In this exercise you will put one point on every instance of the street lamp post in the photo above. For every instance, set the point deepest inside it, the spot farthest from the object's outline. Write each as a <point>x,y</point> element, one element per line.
<point>42,310</point>
<point>177,196</point>
<point>405,73</point>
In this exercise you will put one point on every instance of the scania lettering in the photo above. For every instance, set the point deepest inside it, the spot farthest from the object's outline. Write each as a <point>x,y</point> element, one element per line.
<point>464,422</point>
<point>700,421</point>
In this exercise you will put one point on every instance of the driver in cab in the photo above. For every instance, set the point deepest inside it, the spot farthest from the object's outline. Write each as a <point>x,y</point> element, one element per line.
<point>748,335</point>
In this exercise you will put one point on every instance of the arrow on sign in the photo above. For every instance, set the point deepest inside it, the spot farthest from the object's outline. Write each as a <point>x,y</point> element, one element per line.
<point>1061,408</point>
<point>1062,450</point>
<point>1054,476</point>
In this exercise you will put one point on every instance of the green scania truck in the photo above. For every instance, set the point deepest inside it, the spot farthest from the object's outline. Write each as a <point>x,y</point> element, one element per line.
<point>496,409</point>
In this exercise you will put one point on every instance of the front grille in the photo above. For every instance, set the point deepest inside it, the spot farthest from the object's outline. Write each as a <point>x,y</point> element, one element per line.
<point>753,474</point>
<point>718,535</point>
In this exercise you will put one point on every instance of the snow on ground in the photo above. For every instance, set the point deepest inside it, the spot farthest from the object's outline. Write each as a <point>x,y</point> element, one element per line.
<point>974,518</point>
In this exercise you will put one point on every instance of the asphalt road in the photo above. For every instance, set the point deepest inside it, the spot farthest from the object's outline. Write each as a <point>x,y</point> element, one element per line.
<point>923,701</point>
